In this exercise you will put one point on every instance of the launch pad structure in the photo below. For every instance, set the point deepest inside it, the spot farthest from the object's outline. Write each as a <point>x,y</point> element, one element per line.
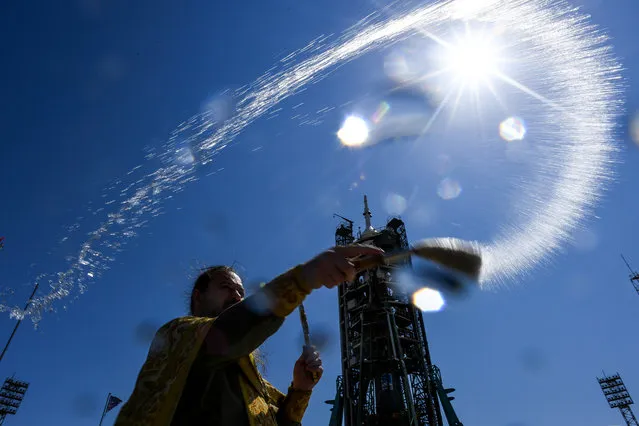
<point>388,378</point>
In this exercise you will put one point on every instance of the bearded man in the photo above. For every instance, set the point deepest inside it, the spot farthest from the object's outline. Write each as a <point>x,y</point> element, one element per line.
<point>201,371</point>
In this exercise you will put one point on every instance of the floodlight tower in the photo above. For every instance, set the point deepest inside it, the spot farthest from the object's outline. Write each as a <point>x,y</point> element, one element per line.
<point>618,397</point>
<point>11,396</point>
<point>634,275</point>
<point>388,378</point>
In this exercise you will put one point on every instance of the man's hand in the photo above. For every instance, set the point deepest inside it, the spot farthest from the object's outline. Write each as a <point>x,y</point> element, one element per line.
<point>308,369</point>
<point>334,266</point>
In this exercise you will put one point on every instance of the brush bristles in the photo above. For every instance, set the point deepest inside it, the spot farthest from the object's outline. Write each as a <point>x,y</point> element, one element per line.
<point>458,255</point>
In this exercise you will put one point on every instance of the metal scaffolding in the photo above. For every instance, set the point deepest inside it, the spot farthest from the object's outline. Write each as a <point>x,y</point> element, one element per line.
<point>387,375</point>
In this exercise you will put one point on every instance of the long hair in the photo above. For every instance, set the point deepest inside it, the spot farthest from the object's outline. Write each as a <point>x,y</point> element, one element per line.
<point>202,284</point>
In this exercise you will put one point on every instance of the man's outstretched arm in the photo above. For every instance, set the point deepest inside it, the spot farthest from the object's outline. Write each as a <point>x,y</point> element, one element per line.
<point>243,327</point>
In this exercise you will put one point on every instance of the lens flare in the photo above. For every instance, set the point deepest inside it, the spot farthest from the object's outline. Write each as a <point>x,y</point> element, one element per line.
<point>449,189</point>
<point>380,113</point>
<point>428,300</point>
<point>354,131</point>
<point>634,128</point>
<point>512,129</point>
<point>395,204</point>
<point>184,156</point>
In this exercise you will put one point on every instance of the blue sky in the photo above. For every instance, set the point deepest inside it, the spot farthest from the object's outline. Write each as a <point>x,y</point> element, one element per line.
<point>86,86</point>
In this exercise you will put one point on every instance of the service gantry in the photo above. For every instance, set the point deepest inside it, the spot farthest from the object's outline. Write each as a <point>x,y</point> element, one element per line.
<point>388,378</point>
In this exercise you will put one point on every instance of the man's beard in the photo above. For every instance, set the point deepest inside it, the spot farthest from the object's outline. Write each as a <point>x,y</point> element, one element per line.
<point>228,304</point>
<point>214,313</point>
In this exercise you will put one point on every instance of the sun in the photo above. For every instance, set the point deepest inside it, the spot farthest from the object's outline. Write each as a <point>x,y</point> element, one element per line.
<point>472,58</point>
<point>467,62</point>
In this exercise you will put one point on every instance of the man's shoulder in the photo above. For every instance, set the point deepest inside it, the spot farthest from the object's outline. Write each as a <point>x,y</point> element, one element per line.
<point>179,330</point>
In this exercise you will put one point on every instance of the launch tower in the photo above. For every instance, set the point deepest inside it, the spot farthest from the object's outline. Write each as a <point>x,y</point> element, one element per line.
<point>388,378</point>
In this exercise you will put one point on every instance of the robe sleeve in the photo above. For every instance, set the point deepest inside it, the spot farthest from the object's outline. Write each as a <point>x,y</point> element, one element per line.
<point>275,397</point>
<point>290,407</point>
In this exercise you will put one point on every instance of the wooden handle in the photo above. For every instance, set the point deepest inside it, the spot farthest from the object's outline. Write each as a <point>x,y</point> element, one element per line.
<point>305,329</point>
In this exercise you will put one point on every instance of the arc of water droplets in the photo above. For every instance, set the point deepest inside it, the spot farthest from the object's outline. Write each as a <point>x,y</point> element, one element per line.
<point>579,65</point>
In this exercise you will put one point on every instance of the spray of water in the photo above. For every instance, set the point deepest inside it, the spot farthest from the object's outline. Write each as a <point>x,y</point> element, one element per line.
<point>583,101</point>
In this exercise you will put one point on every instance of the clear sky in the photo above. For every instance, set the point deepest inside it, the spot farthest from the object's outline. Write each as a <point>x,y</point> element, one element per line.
<point>87,85</point>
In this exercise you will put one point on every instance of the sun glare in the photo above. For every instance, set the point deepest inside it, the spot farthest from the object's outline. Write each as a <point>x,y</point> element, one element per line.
<point>472,58</point>
<point>459,70</point>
